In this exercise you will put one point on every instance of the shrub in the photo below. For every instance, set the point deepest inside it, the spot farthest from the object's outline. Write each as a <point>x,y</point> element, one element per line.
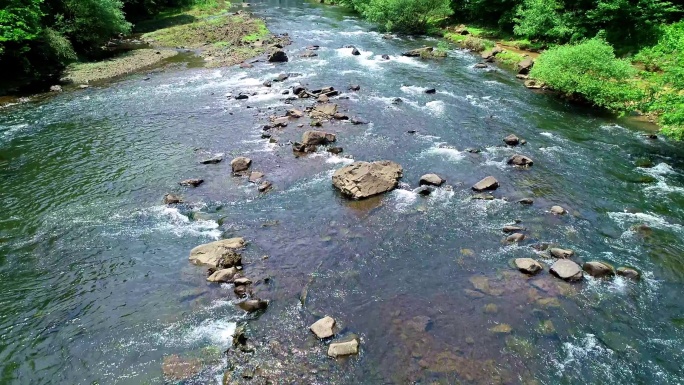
<point>543,19</point>
<point>589,70</point>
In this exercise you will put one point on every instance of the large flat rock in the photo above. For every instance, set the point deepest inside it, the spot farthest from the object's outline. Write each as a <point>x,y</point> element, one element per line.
<point>218,254</point>
<point>365,179</point>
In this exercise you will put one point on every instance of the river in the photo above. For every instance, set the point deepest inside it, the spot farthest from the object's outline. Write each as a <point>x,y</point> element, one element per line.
<point>97,288</point>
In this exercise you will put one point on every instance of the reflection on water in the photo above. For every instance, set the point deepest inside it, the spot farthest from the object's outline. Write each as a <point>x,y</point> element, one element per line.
<point>95,279</point>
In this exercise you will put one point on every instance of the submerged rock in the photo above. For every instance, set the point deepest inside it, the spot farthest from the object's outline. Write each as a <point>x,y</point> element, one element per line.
<point>254,176</point>
<point>598,269</point>
<point>323,328</point>
<point>424,190</point>
<point>520,160</point>
<point>512,229</point>
<point>192,182</point>
<point>212,160</point>
<point>431,180</point>
<point>252,305</point>
<point>526,201</point>
<point>363,179</point>
<point>419,52</point>
<point>219,253</point>
<point>517,237</point>
<point>528,265</point>
<point>170,199</point>
<point>567,270</point>
<point>344,348</point>
<point>488,183</point>
<point>240,164</point>
<point>628,272</point>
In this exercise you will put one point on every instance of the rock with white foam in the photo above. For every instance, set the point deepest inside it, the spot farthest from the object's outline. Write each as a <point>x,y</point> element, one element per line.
<point>431,180</point>
<point>598,269</point>
<point>628,272</point>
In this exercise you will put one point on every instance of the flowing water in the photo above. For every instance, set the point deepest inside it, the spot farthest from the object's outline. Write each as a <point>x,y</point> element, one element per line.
<point>96,285</point>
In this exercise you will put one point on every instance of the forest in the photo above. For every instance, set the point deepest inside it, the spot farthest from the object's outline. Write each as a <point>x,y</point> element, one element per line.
<point>622,55</point>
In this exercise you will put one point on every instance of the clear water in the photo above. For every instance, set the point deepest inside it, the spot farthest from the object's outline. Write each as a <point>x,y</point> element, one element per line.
<point>96,286</point>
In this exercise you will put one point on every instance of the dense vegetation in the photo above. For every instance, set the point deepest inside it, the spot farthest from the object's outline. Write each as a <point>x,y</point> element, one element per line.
<point>623,55</point>
<point>38,38</point>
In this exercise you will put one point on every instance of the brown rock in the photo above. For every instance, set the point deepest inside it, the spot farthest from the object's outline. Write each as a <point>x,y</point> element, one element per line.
<point>345,348</point>
<point>240,164</point>
<point>557,210</point>
<point>254,176</point>
<point>628,272</point>
<point>192,182</point>
<point>520,160</point>
<point>170,199</point>
<point>598,269</point>
<point>488,183</point>
<point>317,137</point>
<point>567,270</point>
<point>323,328</point>
<point>528,265</point>
<point>363,179</point>
<point>218,253</point>
<point>223,275</point>
<point>431,180</point>
<point>511,140</point>
<point>561,253</point>
<point>517,237</point>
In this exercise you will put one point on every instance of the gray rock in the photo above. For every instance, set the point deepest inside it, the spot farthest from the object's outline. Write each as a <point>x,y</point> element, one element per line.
<point>323,328</point>
<point>170,199</point>
<point>520,160</point>
<point>56,88</point>
<point>525,66</point>
<point>431,180</point>
<point>488,183</point>
<point>512,229</point>
<point>317,137</point>
<point>242,281</point>
<point>424,190</point>
<point>254,176</point>
<point>365,179</point>
<point>219,253</point>
<point>425,51</point>
<point>264,186</point>
<point>567,270</point>
<point>355,52</point>
<point>344,348</point>
<point>240,164</point>
<point>526,201</point>
<point>598,269</point>
<point>278,57</point>
<point>354,87</point>
<point>557,210</point>
<point>561,253</point>
<point>528,265</point>
<point>511,140</point>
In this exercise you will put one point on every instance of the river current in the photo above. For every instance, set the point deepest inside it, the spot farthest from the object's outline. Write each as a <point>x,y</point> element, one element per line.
<point>95,280</point>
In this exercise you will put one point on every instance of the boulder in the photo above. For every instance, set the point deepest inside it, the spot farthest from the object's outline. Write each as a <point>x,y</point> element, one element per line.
<point>431,180</point>
<point>424,190</point>
<point>567,270</point>
<point>488,183</point>
<point>511,140</point>
<point>430,91</point>
<point>278,56</point>
<point>223,275</point>
<point>281,78</point>
<point>525,66</point>
<point>561,253</point>
<point>365,179</point>
<point>56,88</point>
<point>323,111</point>
<point>317,137</point>
<point>598,269</point>
<point>241,97</point>
<point>528,265</point>
<point>252,305</point>
<point>628,272</point>
<point>268,83</point>
<point>356,120</point>
<point>307,54</point>
<point>355,52</point>
<point>242,281</point>
<point>557,210</point>
<point>418,52</point>
<point>254,176</point>
<point>354,87</point>
<point>192,182</point>
<point>212,160</point>
<point>323,98</point>
<point>264,186</point>
<point>323,328</point>
<point>517,237</point>
<point>340,116</point>
<point>171,199</point>
<point>218,253</point>
<point>385,57</point>
<point>526,201</point>
<point>520,160</point>
<point>335,150</point>
<point>240,164</point>
<point>480,65</point>
<point>294,113</point>
<point>345,348</point>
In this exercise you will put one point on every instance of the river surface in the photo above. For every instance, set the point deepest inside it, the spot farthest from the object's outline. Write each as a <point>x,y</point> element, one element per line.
<point>94,274</point>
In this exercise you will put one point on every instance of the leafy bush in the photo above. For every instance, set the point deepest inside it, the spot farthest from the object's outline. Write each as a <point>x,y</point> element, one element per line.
<point>590,70</point>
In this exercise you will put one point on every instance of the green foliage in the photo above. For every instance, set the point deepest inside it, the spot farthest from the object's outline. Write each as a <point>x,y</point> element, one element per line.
<point>19,20</point>
<point>591,71</point>
<point>543,19</point>
<point>408,16</point>
<point>90,23</point>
